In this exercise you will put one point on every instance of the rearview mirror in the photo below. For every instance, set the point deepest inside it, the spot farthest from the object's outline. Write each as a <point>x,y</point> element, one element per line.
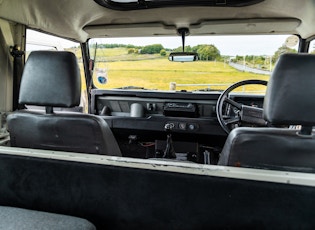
<point>183,57</point>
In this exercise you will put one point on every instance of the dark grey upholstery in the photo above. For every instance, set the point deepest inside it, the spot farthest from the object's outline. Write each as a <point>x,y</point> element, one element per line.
<point>290,92</point>
<point>289,100</point>
<point>52,79</point>
<point>23,219</point>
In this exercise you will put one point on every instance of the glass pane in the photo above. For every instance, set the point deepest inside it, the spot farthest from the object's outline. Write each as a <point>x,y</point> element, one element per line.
<point>142,62</point>
<point>311,48</point>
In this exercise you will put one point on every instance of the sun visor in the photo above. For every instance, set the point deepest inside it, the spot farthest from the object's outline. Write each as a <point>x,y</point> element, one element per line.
<point>220,27</point>
<point>253,26</point>
<point>131,30</point>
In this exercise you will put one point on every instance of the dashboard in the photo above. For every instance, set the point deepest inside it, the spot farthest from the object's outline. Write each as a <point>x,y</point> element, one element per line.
<point>139,121</point>
<point>189,112</point>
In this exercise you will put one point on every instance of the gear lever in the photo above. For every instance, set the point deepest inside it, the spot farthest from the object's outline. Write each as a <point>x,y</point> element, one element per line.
<point>169,152</point>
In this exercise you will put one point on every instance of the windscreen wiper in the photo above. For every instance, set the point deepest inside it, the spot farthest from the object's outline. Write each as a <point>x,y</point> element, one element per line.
<point>208,90</point>
<point>132,87</point>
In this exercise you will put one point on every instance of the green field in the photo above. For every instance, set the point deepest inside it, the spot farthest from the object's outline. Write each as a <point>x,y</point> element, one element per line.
<point>156,72</point>
<point>159,73</point>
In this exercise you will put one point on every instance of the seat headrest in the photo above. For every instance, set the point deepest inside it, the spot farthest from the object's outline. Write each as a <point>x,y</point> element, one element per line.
<point>290,96</point>
<point>51,78</point>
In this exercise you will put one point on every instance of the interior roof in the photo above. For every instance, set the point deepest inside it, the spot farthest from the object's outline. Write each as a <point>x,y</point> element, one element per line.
<point>75,18</point>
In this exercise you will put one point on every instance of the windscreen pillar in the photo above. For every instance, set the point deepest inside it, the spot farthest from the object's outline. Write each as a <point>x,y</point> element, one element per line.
<point>11,34</point>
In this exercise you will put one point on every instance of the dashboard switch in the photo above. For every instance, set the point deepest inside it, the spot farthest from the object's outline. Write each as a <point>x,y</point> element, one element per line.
<point>169,126</point>
<point>182,126</point>
<point>193,127</point>
<point>151,106</point>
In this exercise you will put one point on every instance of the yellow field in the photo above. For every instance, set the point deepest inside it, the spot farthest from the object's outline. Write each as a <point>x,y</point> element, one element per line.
<point>159,73</point>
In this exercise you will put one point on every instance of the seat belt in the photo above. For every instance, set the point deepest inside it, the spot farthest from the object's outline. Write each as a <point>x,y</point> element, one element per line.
<point>17,55</point>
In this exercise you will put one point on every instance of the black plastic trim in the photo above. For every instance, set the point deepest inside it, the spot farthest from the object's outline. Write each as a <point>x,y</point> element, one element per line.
<point>156,94</point>
<point>142,4</point>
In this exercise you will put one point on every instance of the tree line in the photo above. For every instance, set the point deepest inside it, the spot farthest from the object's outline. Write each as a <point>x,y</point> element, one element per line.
<point>263,61</point>
<point>205,52</point>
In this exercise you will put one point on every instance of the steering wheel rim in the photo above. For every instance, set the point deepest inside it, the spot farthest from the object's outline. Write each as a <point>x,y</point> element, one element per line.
<point>225,99</point>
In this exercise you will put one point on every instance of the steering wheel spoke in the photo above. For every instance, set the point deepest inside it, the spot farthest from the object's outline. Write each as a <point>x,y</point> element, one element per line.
<point>233,103</point>
<point>231,120</point>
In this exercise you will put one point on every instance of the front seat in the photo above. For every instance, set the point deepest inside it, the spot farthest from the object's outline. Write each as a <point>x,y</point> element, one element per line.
<point>289,100</point>
<point>52,79</point>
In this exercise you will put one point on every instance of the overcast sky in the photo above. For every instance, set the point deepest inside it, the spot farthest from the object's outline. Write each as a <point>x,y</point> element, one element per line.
<point>228,45</point>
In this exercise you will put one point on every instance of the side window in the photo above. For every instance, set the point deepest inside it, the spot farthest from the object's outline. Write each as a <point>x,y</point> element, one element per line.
<point>311,48</point>
<point>40,41</point>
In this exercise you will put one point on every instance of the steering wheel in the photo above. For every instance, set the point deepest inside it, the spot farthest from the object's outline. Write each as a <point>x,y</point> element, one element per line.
<point>244,115</point>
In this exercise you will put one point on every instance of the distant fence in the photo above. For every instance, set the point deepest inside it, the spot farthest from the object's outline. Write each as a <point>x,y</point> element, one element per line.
<point>174,85</point>
<point>210,87</point>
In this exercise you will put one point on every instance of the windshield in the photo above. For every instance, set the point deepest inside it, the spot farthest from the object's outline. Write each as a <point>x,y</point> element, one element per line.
<point>143,63</point>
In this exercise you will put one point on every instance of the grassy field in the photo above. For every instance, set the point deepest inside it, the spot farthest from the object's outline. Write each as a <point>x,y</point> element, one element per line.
<point>156,72</point>
<point>159,73</point>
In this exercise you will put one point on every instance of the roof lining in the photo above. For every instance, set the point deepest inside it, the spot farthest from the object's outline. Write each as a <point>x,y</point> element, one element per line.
<point>206,27</point>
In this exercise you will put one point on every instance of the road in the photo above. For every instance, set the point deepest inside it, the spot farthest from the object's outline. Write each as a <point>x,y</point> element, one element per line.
<point>248,69</point>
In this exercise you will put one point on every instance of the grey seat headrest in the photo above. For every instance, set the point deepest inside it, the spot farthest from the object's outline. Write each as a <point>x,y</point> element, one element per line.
<point>51,78</point>
<point>290,96</point>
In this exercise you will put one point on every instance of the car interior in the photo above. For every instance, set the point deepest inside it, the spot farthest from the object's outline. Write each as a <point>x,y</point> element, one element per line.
<point>97,131</point>
<point>274,147</point>
<point>74,132</point>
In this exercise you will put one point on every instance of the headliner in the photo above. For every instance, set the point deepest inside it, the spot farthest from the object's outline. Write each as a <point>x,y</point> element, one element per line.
<point>83,19</point>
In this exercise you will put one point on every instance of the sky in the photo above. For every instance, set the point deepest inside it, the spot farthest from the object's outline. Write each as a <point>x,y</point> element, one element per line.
<point>228,45</point>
